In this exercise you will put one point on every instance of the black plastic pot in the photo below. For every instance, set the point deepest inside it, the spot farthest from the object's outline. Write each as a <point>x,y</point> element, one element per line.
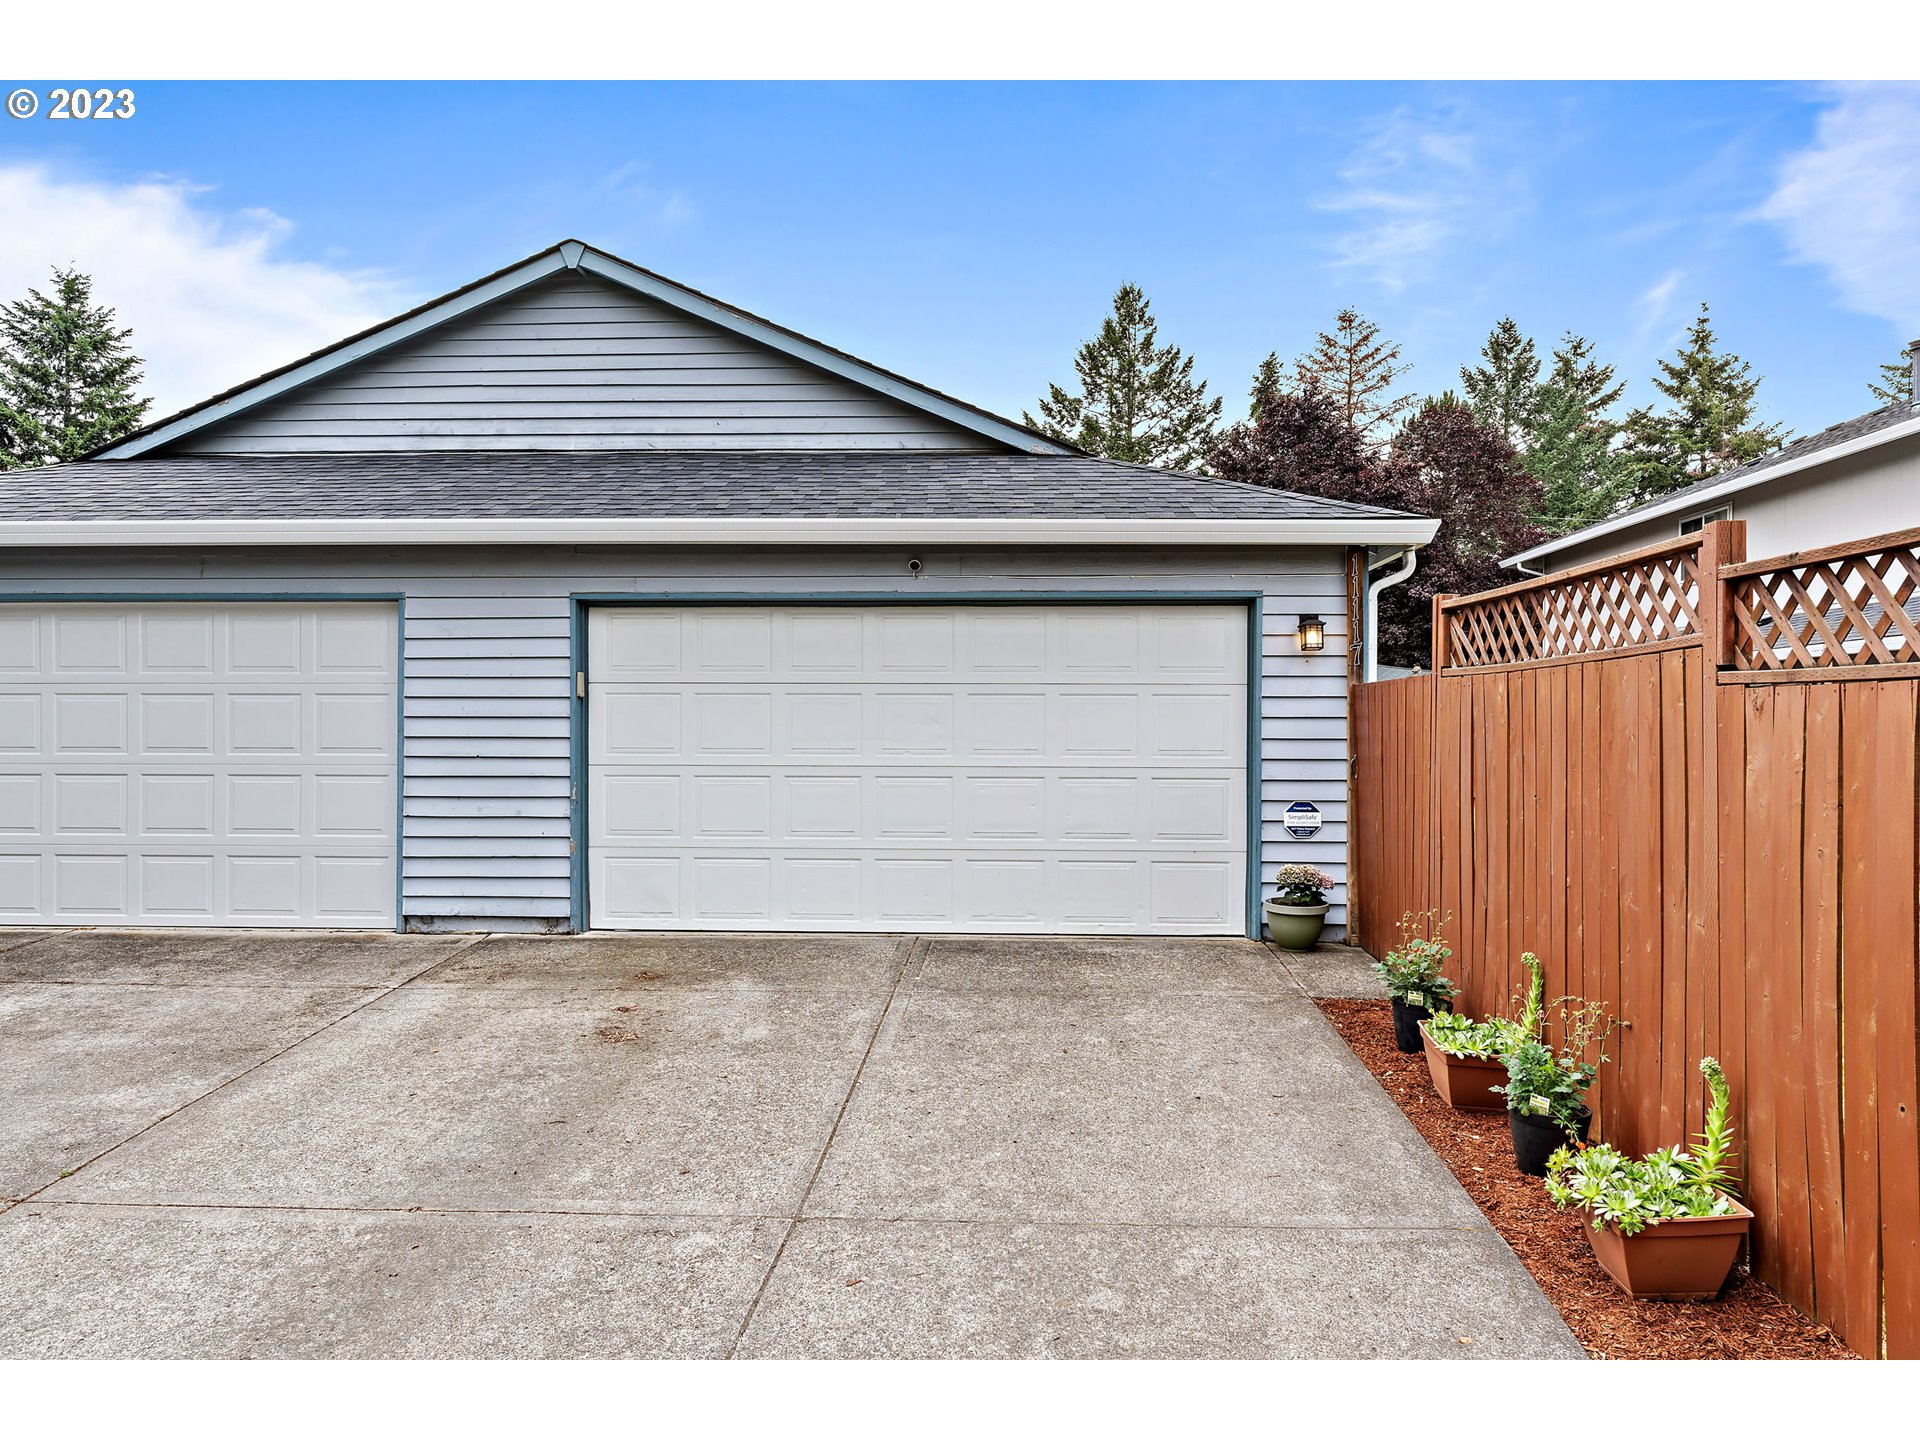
<point>1535,1138</point>
<point>1406,1025</point>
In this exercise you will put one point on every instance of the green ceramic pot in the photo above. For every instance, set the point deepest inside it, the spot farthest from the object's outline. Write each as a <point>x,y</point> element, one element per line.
<point>1295,927</point>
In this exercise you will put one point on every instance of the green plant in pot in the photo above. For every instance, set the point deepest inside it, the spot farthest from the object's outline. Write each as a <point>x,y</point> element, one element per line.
<point>1411,973</point>
<point>1467,1058</point>
<point>1298,909</point>
<point>1667,1226</point>
<point>1547,1088</point>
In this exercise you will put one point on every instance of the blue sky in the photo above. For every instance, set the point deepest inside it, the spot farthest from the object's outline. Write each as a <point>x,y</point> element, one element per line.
<point>971,235</point>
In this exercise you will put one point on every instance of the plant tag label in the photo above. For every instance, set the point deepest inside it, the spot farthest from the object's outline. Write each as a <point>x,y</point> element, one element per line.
<point>1540,1105</point>
<point>1418,999</point>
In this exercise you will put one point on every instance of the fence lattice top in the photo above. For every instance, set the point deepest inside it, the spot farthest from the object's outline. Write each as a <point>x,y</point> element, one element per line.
<point>1625,602</point>
<point>1843,607</point>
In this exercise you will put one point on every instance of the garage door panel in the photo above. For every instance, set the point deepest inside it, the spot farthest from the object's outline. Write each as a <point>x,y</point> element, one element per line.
<point>198,764</point>
<point>1018,768</point>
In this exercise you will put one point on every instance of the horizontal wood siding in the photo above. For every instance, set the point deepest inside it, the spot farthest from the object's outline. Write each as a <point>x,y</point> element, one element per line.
<point>488,680</point>
<point>578,363</point>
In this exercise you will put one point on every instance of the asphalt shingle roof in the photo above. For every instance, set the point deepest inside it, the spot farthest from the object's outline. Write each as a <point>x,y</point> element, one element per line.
<point>1854,429</point>
<point>586,485</point>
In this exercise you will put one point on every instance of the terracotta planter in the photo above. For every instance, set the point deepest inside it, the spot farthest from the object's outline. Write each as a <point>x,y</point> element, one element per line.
<point>1295,927</point>
<point>1685,1259</point>
<point>1462,1081</point>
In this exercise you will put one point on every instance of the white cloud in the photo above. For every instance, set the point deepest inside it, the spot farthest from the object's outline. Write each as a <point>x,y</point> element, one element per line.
<point>1652,307</point>
<point>1414,183</point>
<point>209,295</point>
<point>1850,201</point>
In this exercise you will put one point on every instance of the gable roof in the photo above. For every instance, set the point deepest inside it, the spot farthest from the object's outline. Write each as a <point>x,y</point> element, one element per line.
<point>654,497</point>
<point>578,257</point>
<point>1849,437</point>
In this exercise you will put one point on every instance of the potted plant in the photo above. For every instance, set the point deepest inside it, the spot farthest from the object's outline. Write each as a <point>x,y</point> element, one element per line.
<point>1546,1089</point>
<point>1298,911</point>
<point>1411,973</point>
<point>1468,1058</point>
<point>1665,1226</point>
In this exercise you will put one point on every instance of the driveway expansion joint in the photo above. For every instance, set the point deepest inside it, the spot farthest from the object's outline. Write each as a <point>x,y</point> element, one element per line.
<point>373,998</point>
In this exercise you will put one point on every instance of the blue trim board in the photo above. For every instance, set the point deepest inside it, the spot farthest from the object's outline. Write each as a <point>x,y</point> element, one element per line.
<point>582,602</point>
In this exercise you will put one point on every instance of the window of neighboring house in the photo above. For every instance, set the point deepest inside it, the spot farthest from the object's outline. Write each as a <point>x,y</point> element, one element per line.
<point>1705,518</point>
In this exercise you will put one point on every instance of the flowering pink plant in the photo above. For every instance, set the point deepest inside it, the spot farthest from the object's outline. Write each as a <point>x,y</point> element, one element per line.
<point>1302,884</point>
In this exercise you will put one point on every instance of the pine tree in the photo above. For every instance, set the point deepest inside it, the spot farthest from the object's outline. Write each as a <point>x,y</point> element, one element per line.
<point>1709,423</point>
<point>1357,368</point>
<point>1896,381</point>
<point>1580,375</point>
<point>1583,476</point>
<point>67,375</point>
<point>1268,384</point>
<point>1504,391</point>
<point>1138,400</point>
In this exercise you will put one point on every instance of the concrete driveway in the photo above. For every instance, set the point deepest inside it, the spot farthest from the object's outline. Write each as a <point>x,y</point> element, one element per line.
<point>245,1144</point>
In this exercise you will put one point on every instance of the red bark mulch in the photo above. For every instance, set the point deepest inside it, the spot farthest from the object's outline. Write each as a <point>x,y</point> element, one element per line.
<point>1747,1322</point>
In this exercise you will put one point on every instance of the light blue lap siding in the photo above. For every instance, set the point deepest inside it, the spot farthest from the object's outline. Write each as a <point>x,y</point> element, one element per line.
<point>487,789</point>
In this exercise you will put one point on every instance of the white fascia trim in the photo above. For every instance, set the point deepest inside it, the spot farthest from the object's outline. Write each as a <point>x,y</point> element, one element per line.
<point>734,531</point>
<point>1734,484</point>
<point>384,338</point>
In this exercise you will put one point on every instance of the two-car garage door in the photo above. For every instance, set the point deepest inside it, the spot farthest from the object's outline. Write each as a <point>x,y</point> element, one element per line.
<point>1016,768</point>
<point>198,764</point>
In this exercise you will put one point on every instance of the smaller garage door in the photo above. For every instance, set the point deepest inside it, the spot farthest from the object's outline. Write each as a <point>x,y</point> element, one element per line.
<point>1014,768</point>
<point>197,764</point>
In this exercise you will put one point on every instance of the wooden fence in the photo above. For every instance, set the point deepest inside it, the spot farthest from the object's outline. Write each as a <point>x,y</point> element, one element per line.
<point>1688,783</point>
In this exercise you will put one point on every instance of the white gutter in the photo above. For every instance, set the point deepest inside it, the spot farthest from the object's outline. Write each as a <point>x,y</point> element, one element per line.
<point>810,530</point>
<point>1695,499</point>
<point>1374,590</point>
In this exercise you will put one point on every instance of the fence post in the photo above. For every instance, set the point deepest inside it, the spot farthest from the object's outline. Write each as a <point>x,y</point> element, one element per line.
<point>1723,542</point>
<point>1440,632</point>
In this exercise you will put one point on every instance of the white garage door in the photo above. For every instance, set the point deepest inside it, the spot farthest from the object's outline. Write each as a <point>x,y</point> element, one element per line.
<point>1025,769</point>
<point>197,764</point>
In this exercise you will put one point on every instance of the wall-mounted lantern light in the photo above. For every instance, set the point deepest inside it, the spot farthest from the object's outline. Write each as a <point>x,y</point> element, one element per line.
<point>1313,634</point>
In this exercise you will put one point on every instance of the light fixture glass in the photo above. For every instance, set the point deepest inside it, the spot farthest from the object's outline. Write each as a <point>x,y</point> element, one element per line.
<point>1313,634</point>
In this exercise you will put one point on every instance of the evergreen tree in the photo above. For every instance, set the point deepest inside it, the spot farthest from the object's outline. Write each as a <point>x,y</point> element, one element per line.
<point>1896,382</point>
<point>1357,369</point>
<point>1571,452</point>
<point>1268,382</point>
<point>1583,478</point>
<point>1138,400</point>
<point>1585,378</point>
<point>1504,390</point>
<point>1709,423</point>
<point>67,376</point>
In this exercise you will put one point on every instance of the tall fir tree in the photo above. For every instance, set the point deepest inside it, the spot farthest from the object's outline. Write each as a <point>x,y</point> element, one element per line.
<point>1137,399</point>
<point>1571,452</point>
<point>1504,389</point>
<point>1709,423</point>
<point>1896,379</point>
<point>1268,384</point>
<point>67,375</point>
<point>1357,368</point>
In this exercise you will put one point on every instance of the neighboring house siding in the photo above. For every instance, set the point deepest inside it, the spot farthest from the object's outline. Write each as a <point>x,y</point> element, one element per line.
<point>1845,499</point>
<point>489,675</point>
<point>578,363</point>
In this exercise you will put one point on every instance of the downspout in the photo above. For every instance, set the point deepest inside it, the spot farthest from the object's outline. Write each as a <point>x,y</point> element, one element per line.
<point>1408,559</point>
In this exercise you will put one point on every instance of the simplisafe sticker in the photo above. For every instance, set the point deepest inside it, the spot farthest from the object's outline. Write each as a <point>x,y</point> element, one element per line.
<point>1302,820</point>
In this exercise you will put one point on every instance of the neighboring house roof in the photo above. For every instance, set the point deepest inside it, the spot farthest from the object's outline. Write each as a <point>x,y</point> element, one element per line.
<point>688,497</point>
<point>577,256</point>
<point>1849,437</point>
